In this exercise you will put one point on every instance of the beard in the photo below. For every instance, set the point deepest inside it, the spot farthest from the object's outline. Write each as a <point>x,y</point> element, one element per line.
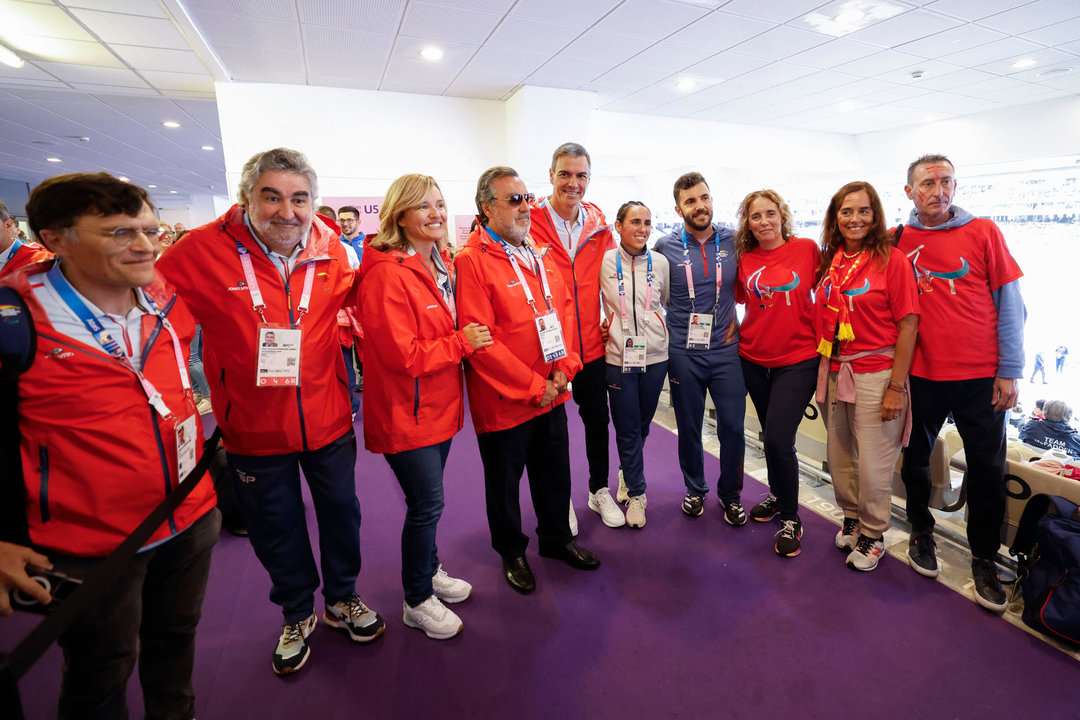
<point>699,222</point>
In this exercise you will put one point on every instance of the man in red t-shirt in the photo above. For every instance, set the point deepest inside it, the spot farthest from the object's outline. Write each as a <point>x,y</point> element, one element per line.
<point>968,358</point>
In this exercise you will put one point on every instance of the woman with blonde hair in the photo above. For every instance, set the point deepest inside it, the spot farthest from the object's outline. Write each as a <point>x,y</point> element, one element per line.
<point>413,401</point>
<point>777,347</point>
<point>867,320</point>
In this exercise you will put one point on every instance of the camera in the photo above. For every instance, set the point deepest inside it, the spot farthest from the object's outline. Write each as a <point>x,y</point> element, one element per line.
<point>59,585</point>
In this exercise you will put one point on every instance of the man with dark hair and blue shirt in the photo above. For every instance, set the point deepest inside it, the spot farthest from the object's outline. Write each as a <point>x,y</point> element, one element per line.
<point>704,347</point>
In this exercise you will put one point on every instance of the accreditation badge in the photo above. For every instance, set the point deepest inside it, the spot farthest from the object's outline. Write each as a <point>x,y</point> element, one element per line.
<point>279,357</point>
<point>186,455</point>
<point>549,330</point>
<point>633,357</point>
<point>699,331</point>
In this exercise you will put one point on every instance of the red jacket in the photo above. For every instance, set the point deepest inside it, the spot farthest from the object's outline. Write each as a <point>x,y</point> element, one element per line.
<point>27,254</point>
<point>507,379</point>
<point>581,273</point>
<point>205,268</point>
<point>96,458</point>
<point>413,391</point>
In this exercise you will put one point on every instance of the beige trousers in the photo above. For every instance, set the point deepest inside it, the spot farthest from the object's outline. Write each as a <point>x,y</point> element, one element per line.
<point>862,451</point>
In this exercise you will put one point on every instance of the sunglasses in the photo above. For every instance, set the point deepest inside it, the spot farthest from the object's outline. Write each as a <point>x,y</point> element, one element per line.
<point>518,198</point>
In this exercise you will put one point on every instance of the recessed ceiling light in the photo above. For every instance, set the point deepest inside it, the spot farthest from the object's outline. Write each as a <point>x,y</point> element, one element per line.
<point>851,16</point>
<point>1053,72</point>
<point>432,53</point>
<point>124,178</point>
<point>52,159</point>
<point>686,84</point>
<point>171,124</point>
<point>174,192</point>
<point>207,147</point>
<point>151,186</point>
<point>1024,63</point>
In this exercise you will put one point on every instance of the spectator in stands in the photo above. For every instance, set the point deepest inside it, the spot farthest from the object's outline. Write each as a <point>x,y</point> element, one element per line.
<point>1053,431</point>
<point>108,427</point>
<point>777,347</point>
<point>867,322</point>
<point>414,405</point>
<point>636,366</point>
<point>968,361</point>
<point>286,408</point>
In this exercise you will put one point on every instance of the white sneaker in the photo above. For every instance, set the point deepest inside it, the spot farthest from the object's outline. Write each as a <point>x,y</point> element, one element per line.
<point>866,554</point>
<point>635,513</point>
<point>622,494</point>
<point>573,519</point>
<point>436,620</point>
<point>448,589</point>
<point>603,504</point>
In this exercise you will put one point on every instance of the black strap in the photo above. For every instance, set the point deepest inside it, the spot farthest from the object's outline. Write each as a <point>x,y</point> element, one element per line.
<point>1024,541</point>
<point>897,233</point>
<point>18,346</point>
<point>105,575</point>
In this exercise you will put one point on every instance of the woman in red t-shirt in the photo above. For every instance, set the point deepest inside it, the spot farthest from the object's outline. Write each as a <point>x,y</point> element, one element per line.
<point>777,347</point>
<point>867,318</point>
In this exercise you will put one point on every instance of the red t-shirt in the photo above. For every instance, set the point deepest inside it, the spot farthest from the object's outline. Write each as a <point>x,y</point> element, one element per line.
<point>956,270</point>
<point>878,299</point>
<point>775,286</point>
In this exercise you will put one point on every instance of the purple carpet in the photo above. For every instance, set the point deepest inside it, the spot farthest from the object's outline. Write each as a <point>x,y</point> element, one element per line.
<point>686,618</point>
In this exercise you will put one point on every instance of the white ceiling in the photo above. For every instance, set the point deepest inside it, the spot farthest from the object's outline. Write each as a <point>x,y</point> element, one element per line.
<point>113,70</point>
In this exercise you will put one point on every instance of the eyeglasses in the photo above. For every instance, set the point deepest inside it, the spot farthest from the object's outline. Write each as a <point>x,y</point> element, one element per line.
<point>124,236</point>
<point>518,198</point>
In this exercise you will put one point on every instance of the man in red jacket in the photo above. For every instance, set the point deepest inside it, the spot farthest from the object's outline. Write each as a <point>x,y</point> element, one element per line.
<point>517,385</point>
<point>108,428</point>
<point>578,236</point>
<point>16,253</point>
<point>264,267</point>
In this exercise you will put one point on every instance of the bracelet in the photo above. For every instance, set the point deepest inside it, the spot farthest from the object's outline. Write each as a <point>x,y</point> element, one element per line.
<point>893,385</point>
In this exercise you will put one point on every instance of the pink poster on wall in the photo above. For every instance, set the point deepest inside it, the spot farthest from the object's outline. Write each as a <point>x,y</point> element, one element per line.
<point>462,223</point>
<point>368,207</point>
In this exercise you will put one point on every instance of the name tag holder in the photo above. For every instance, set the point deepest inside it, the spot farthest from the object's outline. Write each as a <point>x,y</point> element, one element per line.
<point>700,325</point>
<point>279,356</point>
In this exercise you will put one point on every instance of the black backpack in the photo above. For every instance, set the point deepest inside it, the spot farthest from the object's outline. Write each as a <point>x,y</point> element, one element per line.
<point>1047,551</point>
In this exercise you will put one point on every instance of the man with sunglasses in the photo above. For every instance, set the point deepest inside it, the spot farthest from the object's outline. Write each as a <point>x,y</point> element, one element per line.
<point>517,385</point>
<point>968,358</point>
<point>577,236</point>
<point>108,428</point>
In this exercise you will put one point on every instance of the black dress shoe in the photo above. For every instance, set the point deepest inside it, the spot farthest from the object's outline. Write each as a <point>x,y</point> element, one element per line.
<point>519,575</point>
<point>573,555</point>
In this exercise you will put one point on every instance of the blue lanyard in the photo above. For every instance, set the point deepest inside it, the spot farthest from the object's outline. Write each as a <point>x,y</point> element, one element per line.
<point>14,249</point>
<point>622,289</point>
<point>689,273</point>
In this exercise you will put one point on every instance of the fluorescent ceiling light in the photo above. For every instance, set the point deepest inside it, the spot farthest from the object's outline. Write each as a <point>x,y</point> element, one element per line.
<point>52,159</point>
<point>171,124</point>
<point>686,84</point>
<point>432,53</point>
<point>1024,63</point>
<point>851,16</point>
<point>124,178</point>
<point>10,59</point>
<point>174,192</point>
<point>151,186</point>
<point>208,147</point>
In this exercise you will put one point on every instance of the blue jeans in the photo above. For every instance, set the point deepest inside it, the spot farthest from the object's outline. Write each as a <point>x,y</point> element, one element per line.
<point>268,492</point>
<point>150,613</point>
<point>719,373</point>
<point>780,396</point>
<point>420,474</point>
<point>195,366</point>
<point>633,399</point>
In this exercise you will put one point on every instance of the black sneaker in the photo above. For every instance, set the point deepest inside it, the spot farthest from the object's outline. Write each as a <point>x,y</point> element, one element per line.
<point>693,505</point>
<point>789,539</point>
<point>734,513</point>
<point>292,650</point>
<point>765,510</point>
<point>921,554</point>
<point>988,592</point>
<point>848,535</point>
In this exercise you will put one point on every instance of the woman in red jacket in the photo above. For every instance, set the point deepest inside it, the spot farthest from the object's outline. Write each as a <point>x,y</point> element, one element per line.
<point>413,402</point>
<point>777,347</point>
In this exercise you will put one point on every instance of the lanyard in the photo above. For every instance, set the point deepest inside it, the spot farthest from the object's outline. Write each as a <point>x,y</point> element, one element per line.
<point>622,290</point>
<point>14,249</point>
<point>112,347</point>
<point>256,295</point>
<point>690,274</point>
<point>517,269</point>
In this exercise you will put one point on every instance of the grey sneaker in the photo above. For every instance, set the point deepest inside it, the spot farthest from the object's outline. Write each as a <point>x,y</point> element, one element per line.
<point>449,589</point>
<point>292,650</point>
<point>921,554</point>
<point>693,505</point>
<point>988,592</point>
<point>846,538</point>
<point>867,553</point>
<point>734,514</point>
<point>355,618</point>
